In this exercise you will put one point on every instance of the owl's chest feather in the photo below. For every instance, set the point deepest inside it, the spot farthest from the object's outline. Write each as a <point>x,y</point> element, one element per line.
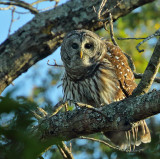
<point>101,88</point>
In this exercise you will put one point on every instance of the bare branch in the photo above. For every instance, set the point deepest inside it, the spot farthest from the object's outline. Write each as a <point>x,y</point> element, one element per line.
<point>23,5</point>
<point>6,8</point>
<point>100,10</point>
<point>100,141</point>
<point>58,107</point>
<point>12,20</point>
<point>140,75</point>
<point>111,29</point>
<point>150,72</point>
<point>55,64</point>
<point>130,38</point>
<point>108,144</point>
<point>37,2</point>
<point>157,33</point>
<point>65,151</point>
<point>106,9</point>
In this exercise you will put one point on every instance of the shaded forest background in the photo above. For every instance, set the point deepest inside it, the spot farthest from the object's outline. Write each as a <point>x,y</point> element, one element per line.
<point>15,118</point>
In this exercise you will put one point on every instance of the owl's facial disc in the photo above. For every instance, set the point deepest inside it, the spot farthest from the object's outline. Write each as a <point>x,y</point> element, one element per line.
<point>80,52</point>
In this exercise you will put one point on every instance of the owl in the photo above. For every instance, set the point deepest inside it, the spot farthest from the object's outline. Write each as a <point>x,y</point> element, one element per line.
<point>97,73</point>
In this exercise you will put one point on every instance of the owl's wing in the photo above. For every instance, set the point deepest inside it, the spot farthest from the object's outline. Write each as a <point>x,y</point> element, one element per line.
<point>122,69</point>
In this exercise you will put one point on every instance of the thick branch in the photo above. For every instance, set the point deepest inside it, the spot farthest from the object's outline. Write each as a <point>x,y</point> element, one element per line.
<point>118,116</point>
<point>44,34</point>
<point>150,72</point>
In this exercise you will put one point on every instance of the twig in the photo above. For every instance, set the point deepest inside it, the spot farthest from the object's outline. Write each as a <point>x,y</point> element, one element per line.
<point>98,110</point>
<point>111,29</point>
<point>130,38</point>
<point>100,10</point>
<point>58,107</point>
<point>47,8</point>
<point>66,107</point>
<point>109,145</point>
<point>140,75</point>
<point>38,1</point>
<point>21,12</point>
<point>38,113</point>
<point>150,72</point>
<point>157,33</point>
<point>106,21</point>
<point>12,20</point>
<point>106,11</point>
<point>23,5</point>
<point>70,146</point>
<point>110,10</point>
<point>6,8</point>
<point>55,64</point>
<point>130,62</point>
<point>65,151</point>
<point>100,141</point>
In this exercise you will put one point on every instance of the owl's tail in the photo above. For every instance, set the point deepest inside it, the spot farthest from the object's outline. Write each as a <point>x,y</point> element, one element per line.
<point>127,140</point>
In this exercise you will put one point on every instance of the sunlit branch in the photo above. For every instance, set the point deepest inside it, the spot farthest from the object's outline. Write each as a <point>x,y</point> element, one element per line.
<point>23,5</point>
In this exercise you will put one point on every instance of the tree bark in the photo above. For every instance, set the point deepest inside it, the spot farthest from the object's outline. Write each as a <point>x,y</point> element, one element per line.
<point>113,117</point>
<point>44,33</point>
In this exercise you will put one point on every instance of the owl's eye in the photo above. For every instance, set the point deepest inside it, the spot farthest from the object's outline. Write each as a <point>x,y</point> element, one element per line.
<point>75,46</point>
<point>88,45</point>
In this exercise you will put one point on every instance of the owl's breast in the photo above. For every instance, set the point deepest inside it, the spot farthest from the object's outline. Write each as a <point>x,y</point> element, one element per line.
<point>96,90</point>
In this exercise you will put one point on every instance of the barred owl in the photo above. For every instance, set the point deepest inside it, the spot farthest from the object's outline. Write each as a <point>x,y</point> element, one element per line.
<point>97,73</point>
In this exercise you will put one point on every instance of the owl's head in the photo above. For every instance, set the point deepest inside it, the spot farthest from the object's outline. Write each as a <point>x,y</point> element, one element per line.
<point>81,51</point>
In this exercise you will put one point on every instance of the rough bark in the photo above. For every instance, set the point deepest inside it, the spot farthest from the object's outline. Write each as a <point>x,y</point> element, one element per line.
<point>112,117</point>
<point>44,33</point>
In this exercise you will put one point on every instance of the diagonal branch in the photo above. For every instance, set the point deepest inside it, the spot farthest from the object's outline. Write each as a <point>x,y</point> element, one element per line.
<point>150,72</point>
<point>64,150</point>
<point>85,121</point>
<point>140,75</point>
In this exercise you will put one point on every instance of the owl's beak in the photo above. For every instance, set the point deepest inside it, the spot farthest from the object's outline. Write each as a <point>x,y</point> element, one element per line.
<point>81,54</point>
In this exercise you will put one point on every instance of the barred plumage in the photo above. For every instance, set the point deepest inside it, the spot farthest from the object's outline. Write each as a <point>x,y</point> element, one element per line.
<point>97,73</point>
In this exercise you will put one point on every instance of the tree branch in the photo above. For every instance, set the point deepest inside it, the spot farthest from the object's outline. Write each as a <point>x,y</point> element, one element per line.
<point>44,34</point>
<point>64,150</point>
<point>118,116</point>
<point>23,5</point>
<point>150,72</point>
<point>140,75</point>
